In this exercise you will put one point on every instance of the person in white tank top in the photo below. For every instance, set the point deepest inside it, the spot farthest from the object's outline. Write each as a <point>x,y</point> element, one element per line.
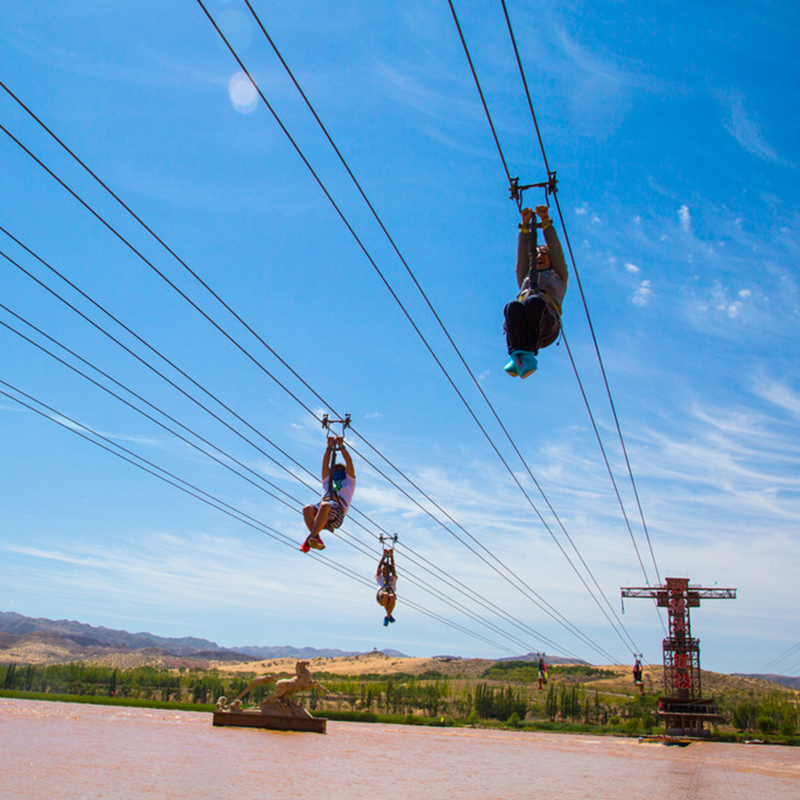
<point>338,487</point>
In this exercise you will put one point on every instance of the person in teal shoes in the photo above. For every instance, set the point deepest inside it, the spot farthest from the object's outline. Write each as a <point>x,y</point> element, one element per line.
<point>533,320</point>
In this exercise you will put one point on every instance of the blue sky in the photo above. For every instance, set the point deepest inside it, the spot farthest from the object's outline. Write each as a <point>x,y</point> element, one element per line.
<point>674,138</point>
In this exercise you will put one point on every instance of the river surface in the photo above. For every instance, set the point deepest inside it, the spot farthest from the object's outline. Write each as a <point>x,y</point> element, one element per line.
<point>72,751</point>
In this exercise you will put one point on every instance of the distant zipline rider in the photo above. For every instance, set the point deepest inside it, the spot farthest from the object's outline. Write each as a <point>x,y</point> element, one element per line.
<point>533,320</point>
<point>386,578</point>
<point>542,670</point>
<point>637,675</point>
<point>338,486</point>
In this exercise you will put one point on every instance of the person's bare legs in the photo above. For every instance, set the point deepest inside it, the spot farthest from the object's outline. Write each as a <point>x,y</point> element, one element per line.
<point>388,602</point>
<point>391,602</point>
<point>316,519</point>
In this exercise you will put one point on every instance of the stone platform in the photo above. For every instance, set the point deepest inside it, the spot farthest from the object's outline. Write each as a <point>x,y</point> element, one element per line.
<point>255,718</point>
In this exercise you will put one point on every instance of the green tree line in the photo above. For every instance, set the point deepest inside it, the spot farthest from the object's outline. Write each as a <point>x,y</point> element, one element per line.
<point>433,696</point>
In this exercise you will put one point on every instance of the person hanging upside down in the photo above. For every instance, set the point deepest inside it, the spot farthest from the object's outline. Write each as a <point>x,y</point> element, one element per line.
<point>338,486</point>
<point>533,320</point>
<point>386,578</point>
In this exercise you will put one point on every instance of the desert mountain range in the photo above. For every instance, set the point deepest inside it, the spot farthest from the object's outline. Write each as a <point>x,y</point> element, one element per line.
<point>36,640</point>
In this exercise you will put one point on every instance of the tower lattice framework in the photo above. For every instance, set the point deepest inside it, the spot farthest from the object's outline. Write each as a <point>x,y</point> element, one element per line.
<point>682,707</point>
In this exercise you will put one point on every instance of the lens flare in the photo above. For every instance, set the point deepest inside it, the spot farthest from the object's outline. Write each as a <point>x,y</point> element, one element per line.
<point>244,97</point>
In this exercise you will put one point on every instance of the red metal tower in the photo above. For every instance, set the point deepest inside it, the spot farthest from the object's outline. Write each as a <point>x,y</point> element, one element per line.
<point>683,708</point>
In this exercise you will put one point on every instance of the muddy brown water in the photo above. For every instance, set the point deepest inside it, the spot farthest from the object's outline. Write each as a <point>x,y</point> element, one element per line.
<point>77,752</point>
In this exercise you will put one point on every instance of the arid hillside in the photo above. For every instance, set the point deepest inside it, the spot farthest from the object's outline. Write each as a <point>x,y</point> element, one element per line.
<point>41,648</point>
<point>377,663</point>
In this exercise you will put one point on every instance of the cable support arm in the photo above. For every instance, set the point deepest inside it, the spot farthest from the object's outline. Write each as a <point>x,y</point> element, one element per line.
<point>550,187</point>
<point>694,593</point>
<point>390,538</point>
<point>327,423</point>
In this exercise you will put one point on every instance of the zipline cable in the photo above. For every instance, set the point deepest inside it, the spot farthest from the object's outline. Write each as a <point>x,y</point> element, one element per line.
<point>194,491</point>
<point>149,347</point>
<point>159,410</point>
<point>782,657</point>
<point>483,98</point>
<point>226,334</point>
<point>416,558</point>
<point>608,392</point>
<point>162,425</point>
<point>179,436</point>
<point>563,335</point>
<point>519,203</point>
<point>113,447</point>
<point>525,84</point>
<point>605,455</point>
<point>168,477</point>
<point>583,300</point>
<point>550,175</point>
<point>239,318</point>
<point>158,373</point>
<point>436,315</point>
<point>421,583</point>
<point>483,430</point>
<point>521,585</point>
<point>105,311</point>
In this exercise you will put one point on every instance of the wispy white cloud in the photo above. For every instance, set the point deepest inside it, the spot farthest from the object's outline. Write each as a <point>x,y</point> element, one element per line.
<point>709,275</point>
<point>685,219</point>
<point>744,127</point>
<point>779,395</point>
<point>166,569</point>
<point>444,108</point>
<point>641,297</point>
<point>600,73</point>
<point>599,87</point>
<point>721,302</point>
<point>739,451</point>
